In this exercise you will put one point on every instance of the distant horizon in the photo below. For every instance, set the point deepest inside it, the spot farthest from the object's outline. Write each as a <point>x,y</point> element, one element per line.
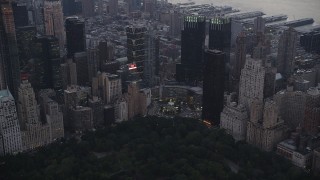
<point>295,9</point>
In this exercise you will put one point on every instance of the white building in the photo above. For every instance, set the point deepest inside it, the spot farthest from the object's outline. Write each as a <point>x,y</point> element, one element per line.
<point>251,82</point>
<point>34,133</point>
<point>111,87</point>
<point>121,110</point>
<point>54,118</point>
<point>10,134</point>
<point>234,120</point>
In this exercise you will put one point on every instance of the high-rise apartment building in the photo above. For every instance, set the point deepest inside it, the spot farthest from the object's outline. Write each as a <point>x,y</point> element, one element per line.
<point>110,85</point>
<point>121,109</point>
<point>152,57</point>
<point>9,57</point>
<point>220,34</point>
<point>291,106</point>
<point>10,134</point>
<point>137,100</point>
<point>213,86</point>
<point>27,106</point>
<point>240,59</point>
<point>234,120</point>
<point>220,39</point>
<point>265,128</point>
<point>192,50</point>
<point>269,81</point>
<point>68,73</point>
<point>53,21</point>
<point>136,45</point>
<point>251,82</point>
<point>20,14</point>
<point>25,43</point>
<point>71,7</point>
<point>93,62</point>
<point>47,63</point>
<point>286,52</point>
<point>96,104</point>
<point>311,121</point>
<point>81,118</point>
<point>54,118</point>
<point>80,58</point>
<point>76,38</point>
<point>34,133</point>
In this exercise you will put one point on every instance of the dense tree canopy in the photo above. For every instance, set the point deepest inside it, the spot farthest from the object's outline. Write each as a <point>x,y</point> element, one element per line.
<point>150,148</point>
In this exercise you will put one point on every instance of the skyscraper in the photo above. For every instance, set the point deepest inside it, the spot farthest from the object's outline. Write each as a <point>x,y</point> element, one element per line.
<point>27,106</point>
<point>71,7</point>
<point>10,134</point>
<point>76,39</point>
<point>292,106</point>
<point>213,86</point>
<point>47,63</point>
<point>234,120</point>
<point>311,121</point>
<point>68,73</point>
<point>54,118</point>
<point>251,82</point>
<point>192,47</point>
<point>25,42</point>
<point>220,34</point>
<point>152,54</point>
<point>286,52</point>
<point>240,59</point>
<point>34,133</point>
<point>220,39</point>
<point>20,14</point>
<point>265,128</point>
<point>136,46</point>
<point>9,57</point>
<point>80,58</point>
<point>53,21</point>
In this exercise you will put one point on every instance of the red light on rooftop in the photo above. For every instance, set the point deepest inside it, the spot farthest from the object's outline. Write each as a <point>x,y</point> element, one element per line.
<point>132,66</point>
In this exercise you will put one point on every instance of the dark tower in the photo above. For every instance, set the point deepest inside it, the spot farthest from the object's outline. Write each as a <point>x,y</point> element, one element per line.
<point>220,39</point>
<point>71,7</point>
<point>47,63</point>
<point>192,46</point>
<point>20,14</point>
<point>76,38</point>
<point>25,40</point>
<point>136,46</point>
<point>220,34</point>
<point>213,86</point>
<point>9,57</point>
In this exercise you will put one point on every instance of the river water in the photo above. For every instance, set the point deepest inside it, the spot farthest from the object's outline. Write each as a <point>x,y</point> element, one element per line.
<point>295,9</point>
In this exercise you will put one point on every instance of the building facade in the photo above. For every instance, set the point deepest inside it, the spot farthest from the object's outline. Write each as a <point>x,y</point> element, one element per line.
<point>10,134</point>
<point>53,20</point>
<point>213,86</point>
<point>234,120</point>
<point>192,50</point>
